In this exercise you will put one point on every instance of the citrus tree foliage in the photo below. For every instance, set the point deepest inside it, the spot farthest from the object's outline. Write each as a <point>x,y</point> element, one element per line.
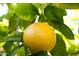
<point>22,15</point>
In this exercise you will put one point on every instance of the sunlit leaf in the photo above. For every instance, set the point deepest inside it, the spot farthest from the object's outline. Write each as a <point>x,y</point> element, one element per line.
<point>27,10</point>
<point>10,6</point>
<point>3,31</point>
<point>20,52</point>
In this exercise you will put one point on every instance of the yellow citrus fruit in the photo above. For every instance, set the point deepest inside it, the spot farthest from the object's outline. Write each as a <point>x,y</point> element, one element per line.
<point>39,37</point>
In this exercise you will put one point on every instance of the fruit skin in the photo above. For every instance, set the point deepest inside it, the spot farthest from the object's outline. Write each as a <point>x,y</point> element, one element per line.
<point>39,37</point>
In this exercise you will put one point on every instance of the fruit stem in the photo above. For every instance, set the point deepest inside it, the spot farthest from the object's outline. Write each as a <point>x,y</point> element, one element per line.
<point>37,17</point>
<point>49,53</point>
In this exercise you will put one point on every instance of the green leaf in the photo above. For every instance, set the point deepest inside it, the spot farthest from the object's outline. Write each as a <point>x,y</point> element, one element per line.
<point>54,13</point>
<point>13,23</point>
<point>40,5</point>
<point>66,5</point>
<point>10,6</point>
<point>42,18</point>
<point>2,34</point>
<point>7,47</point>
<point>15,37</point>
<point>64,29</point>
<point>24,23</point>
<point>1,17</point>
<point>41,53</point>
<point>10,14</point>
<point>20,51</point>
<point>15,48</point>
<point>26,10</point>
<point>3,31</point>
<point>37,5</point>
<point>60,48</point>
<point>11,38</point>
